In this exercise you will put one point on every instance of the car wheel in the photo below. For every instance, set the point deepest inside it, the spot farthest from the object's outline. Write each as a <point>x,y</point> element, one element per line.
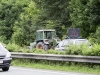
<point>5,68</point>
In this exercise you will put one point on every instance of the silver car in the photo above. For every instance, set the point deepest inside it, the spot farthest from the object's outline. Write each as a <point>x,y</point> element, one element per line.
<point>67,42</point>
<point>5,58</point>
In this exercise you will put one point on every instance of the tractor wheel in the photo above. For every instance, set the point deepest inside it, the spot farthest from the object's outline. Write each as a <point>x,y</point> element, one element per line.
<point>40,45</point>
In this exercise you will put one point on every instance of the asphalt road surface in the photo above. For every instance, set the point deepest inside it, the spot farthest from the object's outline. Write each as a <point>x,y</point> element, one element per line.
<point>30,71</point>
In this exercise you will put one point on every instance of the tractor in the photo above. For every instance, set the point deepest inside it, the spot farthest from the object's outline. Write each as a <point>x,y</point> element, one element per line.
<point>45,39</point>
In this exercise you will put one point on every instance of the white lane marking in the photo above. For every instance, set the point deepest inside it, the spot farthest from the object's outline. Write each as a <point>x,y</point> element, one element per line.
<point>47,71</point>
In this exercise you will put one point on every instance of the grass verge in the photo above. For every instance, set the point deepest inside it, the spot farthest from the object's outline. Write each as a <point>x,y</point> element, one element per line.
<point>58,65</point>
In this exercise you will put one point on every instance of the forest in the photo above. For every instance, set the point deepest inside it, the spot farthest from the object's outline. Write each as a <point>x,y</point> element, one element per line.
<point>19,19</point>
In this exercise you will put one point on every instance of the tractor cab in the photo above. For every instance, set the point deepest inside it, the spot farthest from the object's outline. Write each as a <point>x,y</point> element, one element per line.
<point>45,37</point>
<point>45,34</point>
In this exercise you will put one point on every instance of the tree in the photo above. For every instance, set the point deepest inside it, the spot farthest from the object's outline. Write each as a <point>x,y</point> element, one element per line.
<point>54,14</point>
<point>9,13</point>
<point>25,27</point>
<point>84,15</point>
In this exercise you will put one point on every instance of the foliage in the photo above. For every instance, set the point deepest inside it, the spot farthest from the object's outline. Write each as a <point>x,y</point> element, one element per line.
<point>97,35</point>
<point>77,49</point>
<point>19,19</point>
<point>86,50</point>
<point>12,47</point>
<point>84,14</point>
<point>95,50</point>
<point>25,27</point>
<point>55,15</point>
<point>10,10</point>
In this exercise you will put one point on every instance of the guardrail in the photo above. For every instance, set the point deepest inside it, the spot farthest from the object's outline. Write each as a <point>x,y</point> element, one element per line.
<point>68,58</point>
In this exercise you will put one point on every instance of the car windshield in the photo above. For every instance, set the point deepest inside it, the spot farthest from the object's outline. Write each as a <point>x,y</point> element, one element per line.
<point>78,42</point>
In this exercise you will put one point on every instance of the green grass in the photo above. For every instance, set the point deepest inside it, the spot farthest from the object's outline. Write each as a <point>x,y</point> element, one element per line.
<point>62,66</point>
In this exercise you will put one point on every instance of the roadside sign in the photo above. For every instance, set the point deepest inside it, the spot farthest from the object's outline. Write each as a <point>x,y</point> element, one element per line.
<point>73,33</point>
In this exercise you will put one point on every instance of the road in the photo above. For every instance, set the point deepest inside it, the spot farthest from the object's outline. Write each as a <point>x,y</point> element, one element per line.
<point>30,71</point>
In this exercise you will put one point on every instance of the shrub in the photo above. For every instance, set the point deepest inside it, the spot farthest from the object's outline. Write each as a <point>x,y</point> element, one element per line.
<point>95,50</point>
<point>12,47</point>
<point>72,50</point>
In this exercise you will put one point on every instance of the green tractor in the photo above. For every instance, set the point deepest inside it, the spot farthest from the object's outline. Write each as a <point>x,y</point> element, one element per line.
<point>45,39</point>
